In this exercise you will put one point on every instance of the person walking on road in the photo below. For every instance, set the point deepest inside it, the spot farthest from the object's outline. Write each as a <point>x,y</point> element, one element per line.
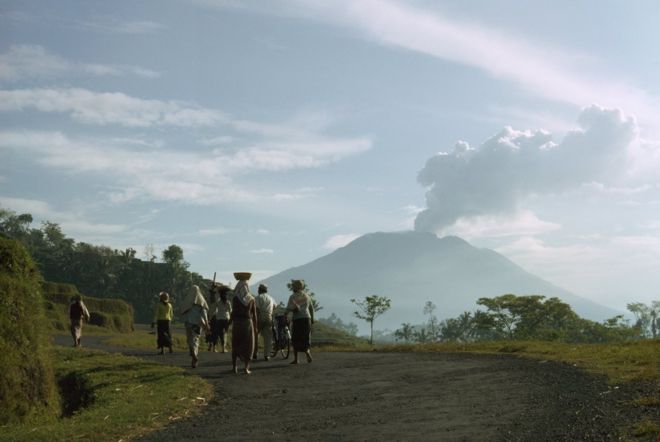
<point>77,313</point>
<point>244,322</point>
<point>223,315</point>
<point>194,313</point>
<point>300,303</point>
<point>265,305</point>
<point>162,318</point>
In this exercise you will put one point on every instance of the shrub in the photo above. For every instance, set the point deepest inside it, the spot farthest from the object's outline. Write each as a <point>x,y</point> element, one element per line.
<point>27,385</point>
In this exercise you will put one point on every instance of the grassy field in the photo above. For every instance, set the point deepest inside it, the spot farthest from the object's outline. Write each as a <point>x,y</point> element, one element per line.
<point>122,397</point>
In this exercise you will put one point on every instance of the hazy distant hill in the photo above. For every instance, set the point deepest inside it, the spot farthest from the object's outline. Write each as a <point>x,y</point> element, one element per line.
<point>412,268</point>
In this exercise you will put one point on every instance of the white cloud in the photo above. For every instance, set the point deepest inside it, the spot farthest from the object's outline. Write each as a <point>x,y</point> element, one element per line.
<point>262,251</point>
<point>109,108</point>
<point>189,176</point>
<point>34,61</point>
<point>495,178</point>
<point>74,224</point>
<point>263,231</point>
<point>552,73</point>
<point>337,241</point>
<point>114,25</point>
<point>213,232</point>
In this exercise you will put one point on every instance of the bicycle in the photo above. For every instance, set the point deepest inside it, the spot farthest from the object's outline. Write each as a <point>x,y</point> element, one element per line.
<point>282,337</point>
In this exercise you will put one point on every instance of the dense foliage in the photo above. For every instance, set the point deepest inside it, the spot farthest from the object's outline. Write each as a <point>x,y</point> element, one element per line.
<point>519,318</point>
<point>27,386</point>
<point>101,271</point>
<point>111,314</point>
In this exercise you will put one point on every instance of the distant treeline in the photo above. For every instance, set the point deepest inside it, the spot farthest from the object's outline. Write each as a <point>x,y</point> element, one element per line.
<point>531,317</point>
<point>98,270</point>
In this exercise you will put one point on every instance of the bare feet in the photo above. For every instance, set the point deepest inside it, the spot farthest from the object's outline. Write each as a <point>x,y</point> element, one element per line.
<point>195,360</point>
<point>247,371</point>
<point>309,357</point>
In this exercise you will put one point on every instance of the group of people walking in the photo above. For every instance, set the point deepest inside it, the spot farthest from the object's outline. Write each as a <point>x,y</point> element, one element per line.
<point>249,316</point>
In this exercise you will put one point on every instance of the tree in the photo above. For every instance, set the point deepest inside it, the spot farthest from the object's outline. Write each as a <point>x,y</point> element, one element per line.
<point>432,326</point>
<point>370,308</point>
<point>336,322</point>
<point>405,333</point>
<point>646,318</point>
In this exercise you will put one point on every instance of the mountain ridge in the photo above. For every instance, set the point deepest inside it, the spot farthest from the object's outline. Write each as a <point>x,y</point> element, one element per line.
<point>414,267</point>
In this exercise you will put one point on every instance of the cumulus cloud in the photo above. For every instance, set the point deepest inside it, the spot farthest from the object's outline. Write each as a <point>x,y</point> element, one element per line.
<point>34,61</point>
<point>494,178</point>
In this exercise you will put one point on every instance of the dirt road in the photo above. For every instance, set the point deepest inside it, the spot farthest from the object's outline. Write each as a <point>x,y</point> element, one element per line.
<point>390,396</point>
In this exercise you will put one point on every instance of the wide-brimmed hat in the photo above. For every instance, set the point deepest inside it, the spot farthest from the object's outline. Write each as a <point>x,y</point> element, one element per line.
<point>242,276</point>
<point>164,296</point>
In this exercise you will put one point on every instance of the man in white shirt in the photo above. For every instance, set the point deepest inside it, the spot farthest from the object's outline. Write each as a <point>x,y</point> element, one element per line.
<point>265,305</point>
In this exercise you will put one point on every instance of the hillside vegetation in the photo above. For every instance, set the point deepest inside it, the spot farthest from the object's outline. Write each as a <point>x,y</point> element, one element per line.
<point>109,315</point>
<point>27,383</point>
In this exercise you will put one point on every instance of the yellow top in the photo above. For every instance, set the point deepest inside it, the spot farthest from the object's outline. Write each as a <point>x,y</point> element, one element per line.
<point>163,311</point>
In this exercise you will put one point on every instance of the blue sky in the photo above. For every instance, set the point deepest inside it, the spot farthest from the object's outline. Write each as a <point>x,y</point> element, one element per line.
<point>262,135</point>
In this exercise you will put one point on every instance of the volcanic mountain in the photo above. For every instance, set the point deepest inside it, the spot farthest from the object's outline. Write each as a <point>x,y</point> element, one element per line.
<point>414,267</point>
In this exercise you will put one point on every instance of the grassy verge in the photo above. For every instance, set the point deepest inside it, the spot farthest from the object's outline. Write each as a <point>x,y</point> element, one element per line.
<point>144,338</point>
<point>124,397</point>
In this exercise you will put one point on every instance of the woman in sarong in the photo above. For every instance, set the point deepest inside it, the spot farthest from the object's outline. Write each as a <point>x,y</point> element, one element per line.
<point>194,313</point>
<point>244,320</point>
<point>162,318</point>
<point>300,303</point>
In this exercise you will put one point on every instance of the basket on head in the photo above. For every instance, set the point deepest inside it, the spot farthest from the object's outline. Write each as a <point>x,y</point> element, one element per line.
<point>242,276</point>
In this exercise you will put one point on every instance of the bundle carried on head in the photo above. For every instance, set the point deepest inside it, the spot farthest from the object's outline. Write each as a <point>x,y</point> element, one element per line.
<point>242,276</point>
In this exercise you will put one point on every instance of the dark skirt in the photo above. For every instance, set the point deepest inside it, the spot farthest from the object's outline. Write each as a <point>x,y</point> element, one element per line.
<point>212,339</point>
<point>242,338</point>
<point>164,336</point>
<point>302,334</point>
<point>222,326</point>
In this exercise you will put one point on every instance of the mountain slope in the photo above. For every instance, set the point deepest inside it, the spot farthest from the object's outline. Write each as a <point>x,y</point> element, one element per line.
<point>412,268</point>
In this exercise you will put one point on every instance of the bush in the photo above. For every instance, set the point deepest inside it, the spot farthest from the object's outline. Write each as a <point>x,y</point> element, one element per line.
<point>113,314</point>
<point>27,385</point>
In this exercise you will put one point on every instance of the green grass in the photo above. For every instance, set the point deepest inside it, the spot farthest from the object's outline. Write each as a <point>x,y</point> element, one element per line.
<point>144,339</point>
<point>129,396</point>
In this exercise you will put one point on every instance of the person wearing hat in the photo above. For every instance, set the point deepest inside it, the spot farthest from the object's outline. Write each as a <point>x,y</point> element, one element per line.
<point>300,303</point>
<point>162,318</point>
<point>244,322</point>
<point>77,313</point>
<point>265,305</point>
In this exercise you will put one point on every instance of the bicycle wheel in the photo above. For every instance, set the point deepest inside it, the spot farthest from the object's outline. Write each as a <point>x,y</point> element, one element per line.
<point>286,348</point>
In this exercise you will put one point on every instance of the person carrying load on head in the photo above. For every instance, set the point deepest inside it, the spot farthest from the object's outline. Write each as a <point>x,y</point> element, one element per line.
<point>265,305</point>
<point>162,318</point>
<point>244,322</point>
<point>77,313</point>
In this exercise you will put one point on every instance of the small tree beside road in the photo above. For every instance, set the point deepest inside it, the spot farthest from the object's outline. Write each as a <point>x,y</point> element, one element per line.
<point>370,308</point>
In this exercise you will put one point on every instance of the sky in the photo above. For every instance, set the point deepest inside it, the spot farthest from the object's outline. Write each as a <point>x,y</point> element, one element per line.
<point>262,135</point>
